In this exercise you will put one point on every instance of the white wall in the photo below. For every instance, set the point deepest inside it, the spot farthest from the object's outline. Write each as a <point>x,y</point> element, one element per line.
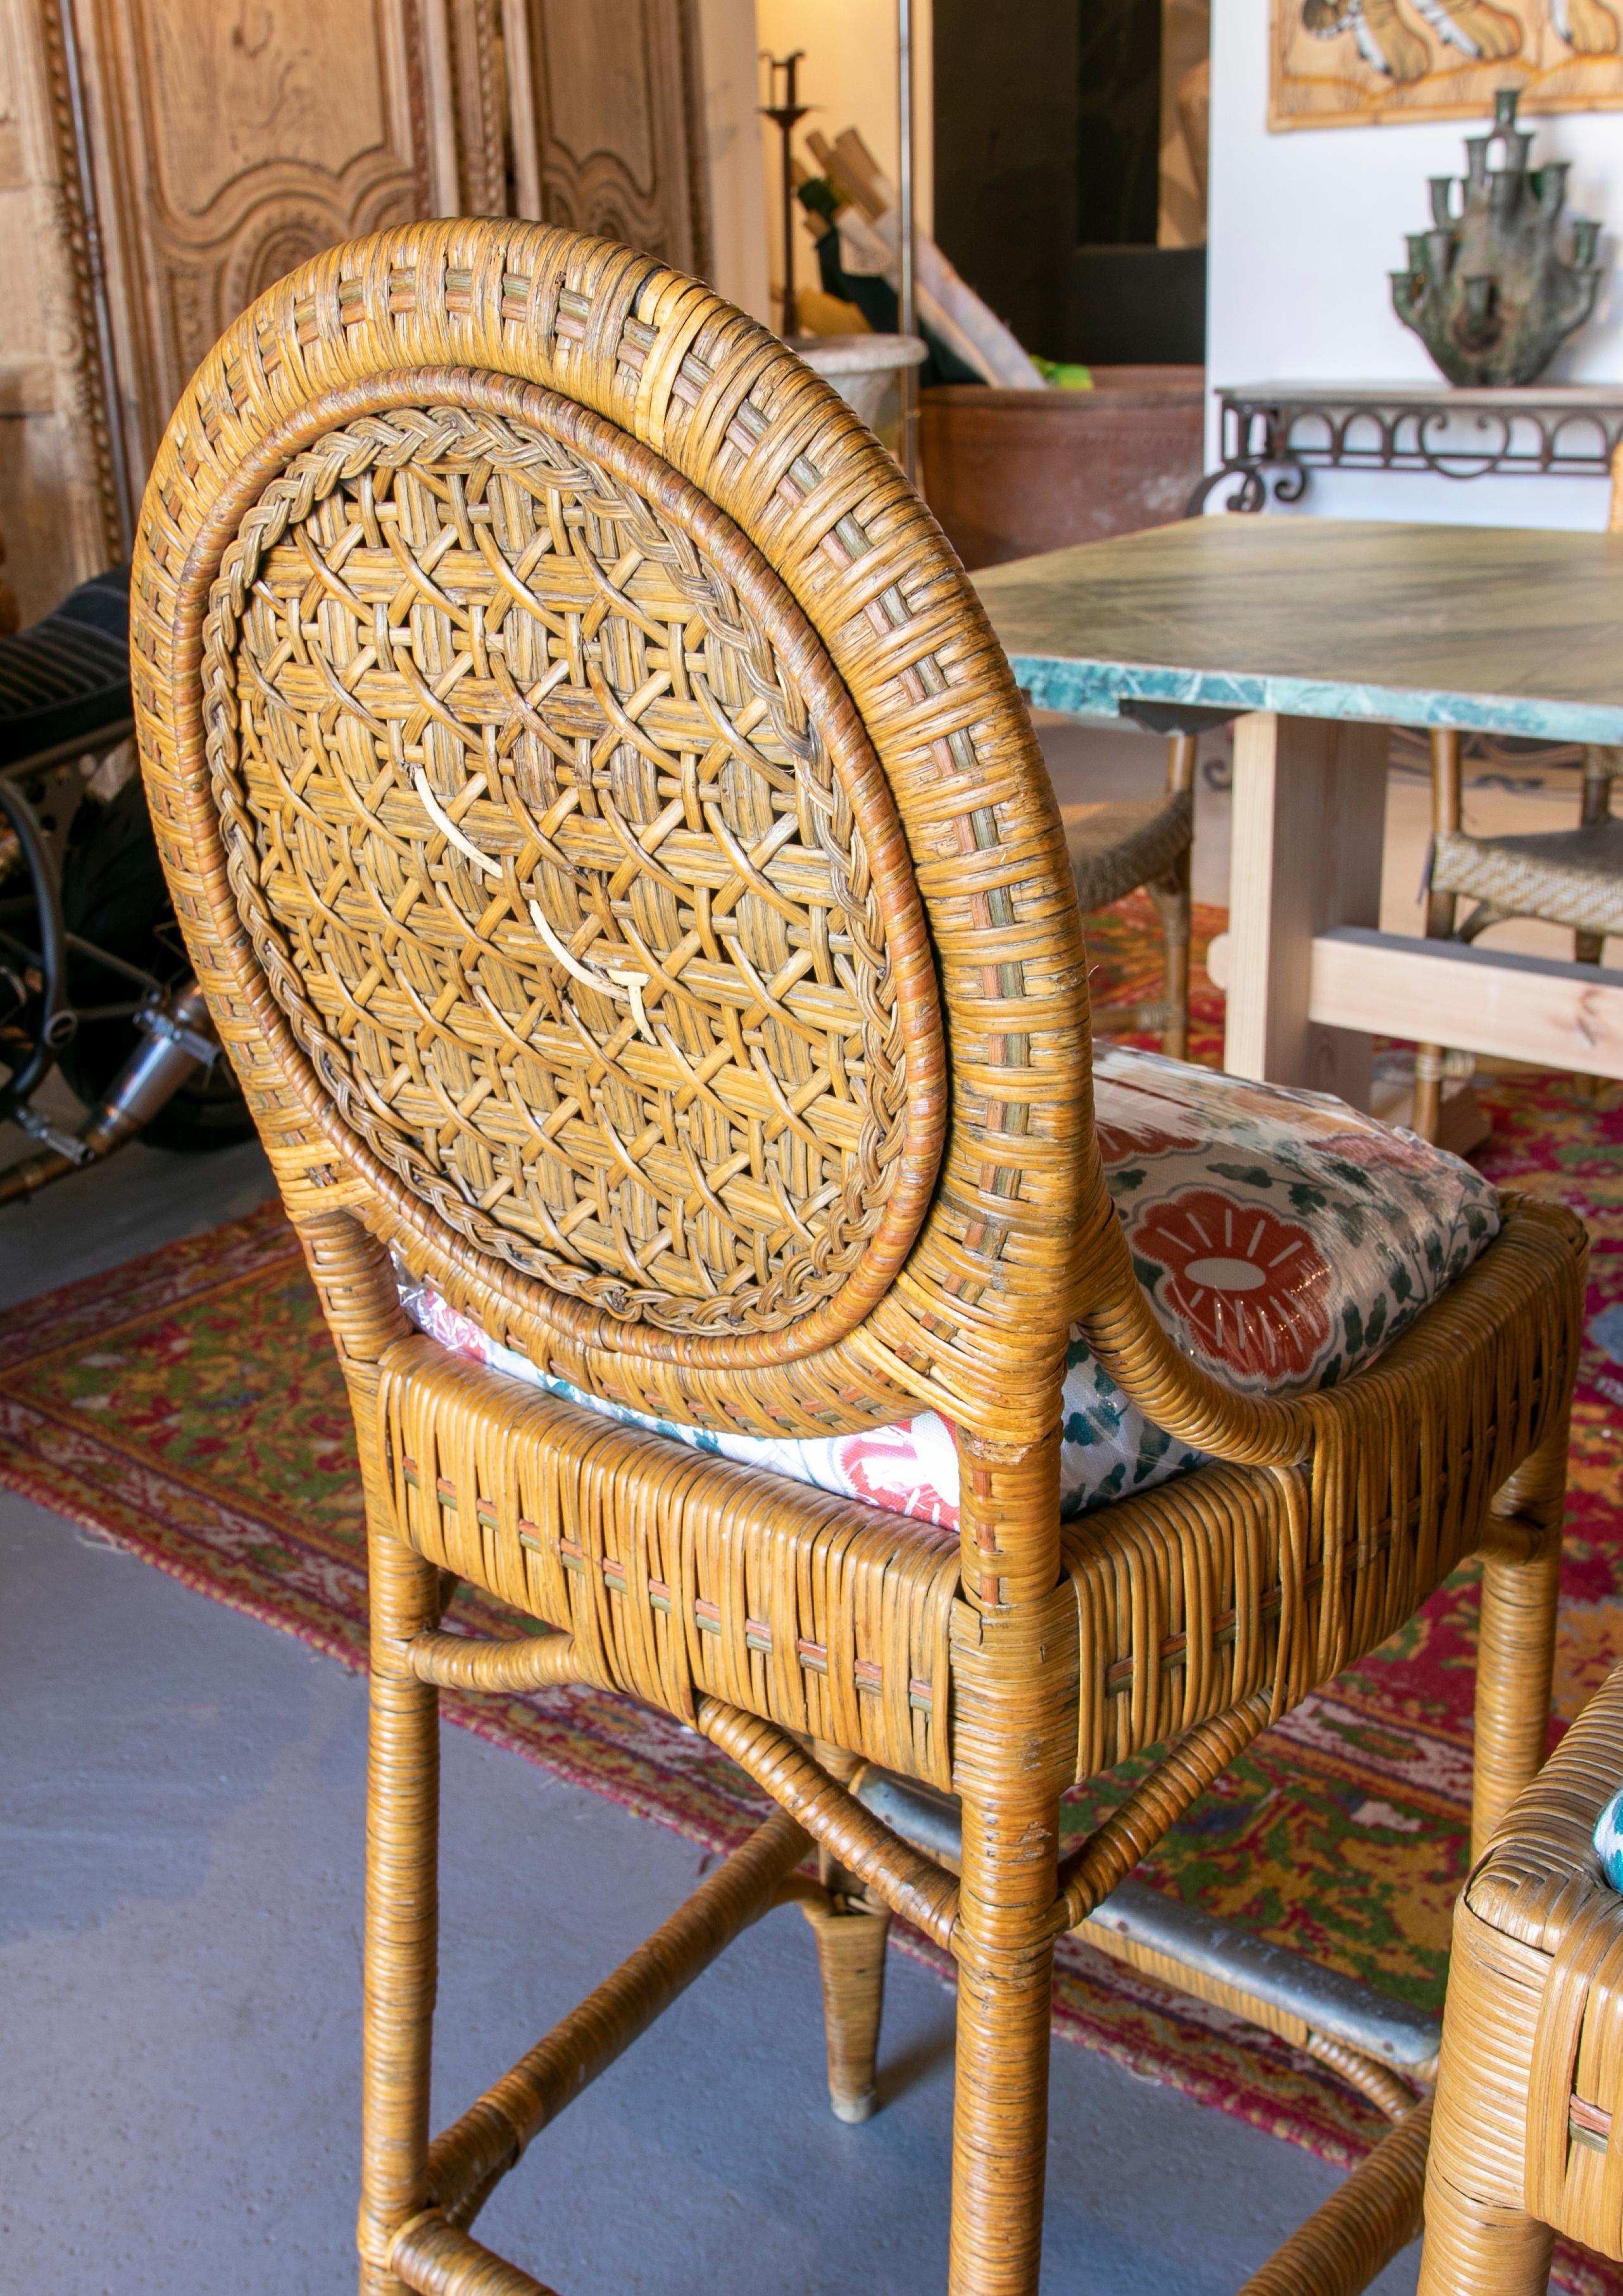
<point>1305,227</point>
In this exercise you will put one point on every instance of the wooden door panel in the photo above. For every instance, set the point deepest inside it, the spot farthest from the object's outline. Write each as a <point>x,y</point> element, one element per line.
<point>226,140</point>
<point>233,139</point>
<point>606,131</point>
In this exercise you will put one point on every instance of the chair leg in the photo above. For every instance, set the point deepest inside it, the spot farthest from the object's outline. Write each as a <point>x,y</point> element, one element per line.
<point>1516,1652</point>
<point>1473,2244</point>
<point>1000,2111</point>
<point>852,1936</point>
<point>402,1910</point>
<point>1426,1112</point>
<point>1170,895</point>
<point>1479,2236</point>
<point>851,1945</point>
<point>351,1273</point>
<point>1588,949</point>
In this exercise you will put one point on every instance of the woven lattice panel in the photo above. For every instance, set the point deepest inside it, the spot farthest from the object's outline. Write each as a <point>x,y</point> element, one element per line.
<point>570,893</point>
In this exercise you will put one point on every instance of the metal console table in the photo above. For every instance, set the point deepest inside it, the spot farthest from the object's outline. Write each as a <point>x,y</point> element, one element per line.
<point>1276,434</point>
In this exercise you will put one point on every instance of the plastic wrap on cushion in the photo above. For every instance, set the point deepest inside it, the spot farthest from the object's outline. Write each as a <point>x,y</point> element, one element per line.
<point>910,1468</point>
<point>1282,1239</point>
<point>1609,1841</point>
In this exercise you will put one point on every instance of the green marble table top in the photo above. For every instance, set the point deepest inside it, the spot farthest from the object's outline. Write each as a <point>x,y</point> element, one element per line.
<point>1502,629</point>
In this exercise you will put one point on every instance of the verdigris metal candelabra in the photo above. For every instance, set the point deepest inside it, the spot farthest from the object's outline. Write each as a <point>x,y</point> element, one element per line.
<point>1485,289</point>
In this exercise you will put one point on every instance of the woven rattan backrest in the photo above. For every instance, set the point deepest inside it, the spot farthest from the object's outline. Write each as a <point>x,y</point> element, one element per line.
<point>610,839</point>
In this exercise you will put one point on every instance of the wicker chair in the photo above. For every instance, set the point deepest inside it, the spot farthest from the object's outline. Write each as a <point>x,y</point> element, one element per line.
<point>1115,847</point>
<point>1529,2097</point>
<point>746,731</point>
<point>1572,877</point>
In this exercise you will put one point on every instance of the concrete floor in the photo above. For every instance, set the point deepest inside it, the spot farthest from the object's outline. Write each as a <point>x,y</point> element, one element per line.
<point>181,1808</point>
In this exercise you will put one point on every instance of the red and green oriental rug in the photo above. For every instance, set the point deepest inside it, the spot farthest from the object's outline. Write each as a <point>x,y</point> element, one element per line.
<point>189,1406</point>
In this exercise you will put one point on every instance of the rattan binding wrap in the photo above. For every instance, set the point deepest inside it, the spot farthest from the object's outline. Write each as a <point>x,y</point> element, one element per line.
<point>1530,2105</point>
<point>625,877</point>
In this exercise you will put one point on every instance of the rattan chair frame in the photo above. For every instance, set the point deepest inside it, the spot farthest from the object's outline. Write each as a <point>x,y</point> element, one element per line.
<point>1529,2097</point>
<point>1115,848</point>
<point>807,1636</point>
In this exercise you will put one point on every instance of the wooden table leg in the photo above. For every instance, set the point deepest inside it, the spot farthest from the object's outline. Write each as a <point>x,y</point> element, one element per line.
<point>1309,820</point>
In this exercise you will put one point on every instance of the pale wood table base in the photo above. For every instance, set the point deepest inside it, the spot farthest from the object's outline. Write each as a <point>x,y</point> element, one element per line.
<point>1310,978</point>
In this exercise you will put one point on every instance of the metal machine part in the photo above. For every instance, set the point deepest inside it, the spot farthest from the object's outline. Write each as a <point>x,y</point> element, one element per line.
<point>93,977</point>
<point>179,1040</point>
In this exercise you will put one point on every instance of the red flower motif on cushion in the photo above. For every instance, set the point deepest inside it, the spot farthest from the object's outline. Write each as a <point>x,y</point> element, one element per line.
<point>1252,1289</point>
<point>1379,1150</point>
<point>909,1469</point>
<point>1134,1143</point>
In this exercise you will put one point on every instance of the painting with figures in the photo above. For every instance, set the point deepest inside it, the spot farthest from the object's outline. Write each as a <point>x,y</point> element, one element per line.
<point>1346,63</point>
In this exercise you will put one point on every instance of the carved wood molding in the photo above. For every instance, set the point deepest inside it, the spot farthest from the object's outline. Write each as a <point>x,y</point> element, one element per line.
<point>232,139</point>
<point>223,142</point>
<point>93,386</point>
<point>607,122</point>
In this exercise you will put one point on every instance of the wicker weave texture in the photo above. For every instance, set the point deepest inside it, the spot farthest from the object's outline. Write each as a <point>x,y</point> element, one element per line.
<point>625,877</point>
<point>824,1616</point>
<point>1567,877</point>
<point>790,1004</point>
<point>521,942</point>
<point>1114,847</point>
<point>1529,2106</point>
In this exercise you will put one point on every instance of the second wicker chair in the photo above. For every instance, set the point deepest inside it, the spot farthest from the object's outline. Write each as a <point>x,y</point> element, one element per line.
<point>1572,877</point>
<point>1116,847</point>
<point>625,877</point>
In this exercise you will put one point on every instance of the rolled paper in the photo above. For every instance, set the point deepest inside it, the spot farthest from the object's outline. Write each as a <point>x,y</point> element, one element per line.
<point>1439,256</point>
<point>1442,199</point>
<point>1476,165</point>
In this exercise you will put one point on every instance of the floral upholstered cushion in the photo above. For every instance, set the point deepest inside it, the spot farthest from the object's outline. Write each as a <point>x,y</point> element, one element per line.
<point>1281,1238</point>
<point>1609,1841</point>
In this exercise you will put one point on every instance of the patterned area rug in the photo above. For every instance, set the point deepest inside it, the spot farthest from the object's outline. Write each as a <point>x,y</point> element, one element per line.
<point>189,1406</point>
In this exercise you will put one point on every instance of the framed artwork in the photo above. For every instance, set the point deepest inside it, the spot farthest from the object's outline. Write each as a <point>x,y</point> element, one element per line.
<point>1355,63</point>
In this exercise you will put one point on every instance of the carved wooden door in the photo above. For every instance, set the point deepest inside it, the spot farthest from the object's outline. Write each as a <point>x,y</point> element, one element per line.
<point>607,134</point>
<point>230,139</point>
<point>206,147</point>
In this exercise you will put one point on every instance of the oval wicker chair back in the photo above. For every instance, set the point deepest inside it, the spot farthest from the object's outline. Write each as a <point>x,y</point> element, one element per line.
<point>597,799</point>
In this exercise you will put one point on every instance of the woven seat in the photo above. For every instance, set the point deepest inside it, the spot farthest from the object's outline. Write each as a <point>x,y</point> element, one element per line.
<point>627,882</point>
<point>1284,1241</point>
<point>1564,876</point>
<point>1115,848</point>
<point>1529,2100</point>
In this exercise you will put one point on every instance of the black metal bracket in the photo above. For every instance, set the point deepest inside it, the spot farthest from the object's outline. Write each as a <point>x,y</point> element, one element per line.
<point>1289,431</point>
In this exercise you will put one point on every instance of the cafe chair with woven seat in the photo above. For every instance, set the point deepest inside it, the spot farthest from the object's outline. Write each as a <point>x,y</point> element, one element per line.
<point>1571,877</point>
<point>624,873</point>
<point>1529,2099</point>
<point>1118,845</point>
